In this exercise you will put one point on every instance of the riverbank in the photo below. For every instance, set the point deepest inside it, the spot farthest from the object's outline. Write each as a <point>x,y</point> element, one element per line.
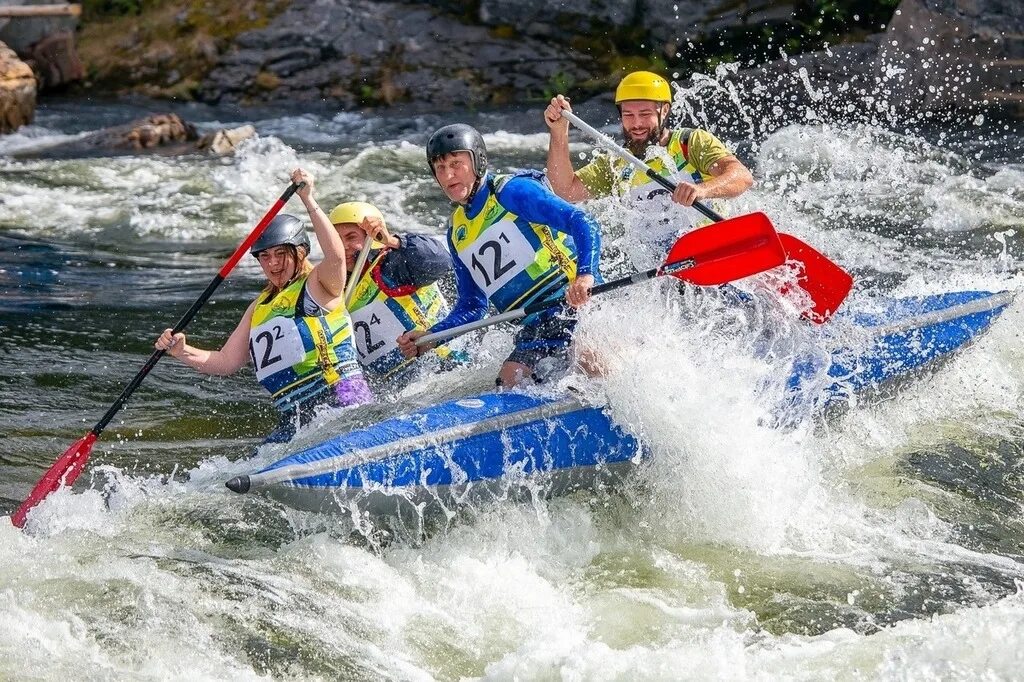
<point>436,55</point>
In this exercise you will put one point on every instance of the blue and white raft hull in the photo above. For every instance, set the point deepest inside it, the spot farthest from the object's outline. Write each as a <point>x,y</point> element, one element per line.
<point>499,444</point>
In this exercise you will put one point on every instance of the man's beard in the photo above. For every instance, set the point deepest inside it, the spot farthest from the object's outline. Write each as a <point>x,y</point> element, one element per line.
<point>638,148</point>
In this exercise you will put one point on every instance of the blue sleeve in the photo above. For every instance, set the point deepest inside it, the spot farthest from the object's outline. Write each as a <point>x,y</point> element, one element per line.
<point>536,203</point>
<point>418,261</point>
<point>472,303</point>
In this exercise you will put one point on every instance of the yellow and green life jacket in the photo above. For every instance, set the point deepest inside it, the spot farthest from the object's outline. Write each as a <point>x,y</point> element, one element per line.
<point>513,261</point>
<point>634,184</point>
<point>298,357</point>
<point>381,312</point>
<point>664,220</point>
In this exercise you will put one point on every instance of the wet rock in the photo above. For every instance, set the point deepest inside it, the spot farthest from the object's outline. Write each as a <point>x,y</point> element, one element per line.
<point>955,54</point>
<point>290,61</point>
<point>21,33</point>
<point>158,130</point>
<point>673,23</point>
<point>165,134</point>
<point>45,43</point>
<point>667,22</point>
<point>544,18</point>
<point>429,55</point>
<point>224,141</point>
<point>385,53</point>
<point>937,60</point>
<point>17,91</point>
<point>55,60</point>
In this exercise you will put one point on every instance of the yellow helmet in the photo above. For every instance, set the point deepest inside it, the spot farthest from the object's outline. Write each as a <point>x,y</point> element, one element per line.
<point>643,85</point>
<point>354,212</point>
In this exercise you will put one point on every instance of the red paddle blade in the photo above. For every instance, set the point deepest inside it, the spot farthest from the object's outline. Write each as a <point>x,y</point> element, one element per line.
<point>63,472</point>
<point>825,282</point>
<point>722,252</point>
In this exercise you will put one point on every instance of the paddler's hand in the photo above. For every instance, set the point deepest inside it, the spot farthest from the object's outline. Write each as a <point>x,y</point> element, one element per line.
<point>686,193</point>
<point>174,344</point>
<point>299,175</point>
<point>553,115</point>
<point>578,292</point>
<point>407,343</point>
<point>375,227</point>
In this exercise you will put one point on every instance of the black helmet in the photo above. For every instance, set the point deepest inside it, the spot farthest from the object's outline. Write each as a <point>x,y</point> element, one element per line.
<point>458,137</point>
<point>284,229</point>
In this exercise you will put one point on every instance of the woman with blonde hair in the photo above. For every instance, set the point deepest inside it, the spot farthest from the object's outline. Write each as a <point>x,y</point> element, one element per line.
<point>297,333</point>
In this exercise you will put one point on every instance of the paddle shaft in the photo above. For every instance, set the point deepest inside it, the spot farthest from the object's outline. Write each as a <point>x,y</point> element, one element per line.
<point>228,266</point>
<point>69,465</point>
<point>357,271</point>
<point>624,154</point>
<point>540,306</point>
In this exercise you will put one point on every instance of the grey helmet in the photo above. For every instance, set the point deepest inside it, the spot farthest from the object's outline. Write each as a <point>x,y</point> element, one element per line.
<point>284,229</point>
<point>458,137</point>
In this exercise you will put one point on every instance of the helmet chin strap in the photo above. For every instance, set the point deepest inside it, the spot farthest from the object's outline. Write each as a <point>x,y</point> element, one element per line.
<point>476,188</point>
<point>472,192</point>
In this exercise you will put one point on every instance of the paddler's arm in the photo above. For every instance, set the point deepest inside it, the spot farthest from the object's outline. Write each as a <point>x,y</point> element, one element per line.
<point>470,307</point>
<point>418,261</point>
<point>472,301</point>
<point>329,273</point>
<point>710,156</point>
<point>532,201</point>
<point>563,179</point>
<point>229,359</point>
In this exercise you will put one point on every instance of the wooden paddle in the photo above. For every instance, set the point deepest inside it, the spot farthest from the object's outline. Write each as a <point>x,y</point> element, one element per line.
<point>825,283</point>
<point>68,466</point>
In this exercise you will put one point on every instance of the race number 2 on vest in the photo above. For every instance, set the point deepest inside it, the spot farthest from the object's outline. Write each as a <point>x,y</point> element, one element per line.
<point>275,345</point>
<point>376,330</point>
<point>500,253</point>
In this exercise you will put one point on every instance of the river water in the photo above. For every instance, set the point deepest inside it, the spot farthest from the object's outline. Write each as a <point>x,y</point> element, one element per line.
<point>884,542</point>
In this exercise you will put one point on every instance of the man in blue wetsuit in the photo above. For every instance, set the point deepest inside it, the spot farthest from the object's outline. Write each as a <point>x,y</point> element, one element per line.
<point>513,243</point>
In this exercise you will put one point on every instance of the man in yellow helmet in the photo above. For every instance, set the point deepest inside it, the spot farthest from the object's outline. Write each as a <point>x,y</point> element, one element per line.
<point>395,291</point>
<point>694,158</point>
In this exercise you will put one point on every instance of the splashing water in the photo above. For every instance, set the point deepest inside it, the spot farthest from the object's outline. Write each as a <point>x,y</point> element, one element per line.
<point>884,540</point>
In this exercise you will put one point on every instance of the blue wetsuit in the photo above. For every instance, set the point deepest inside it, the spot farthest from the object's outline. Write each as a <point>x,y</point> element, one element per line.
<point>528,196</point>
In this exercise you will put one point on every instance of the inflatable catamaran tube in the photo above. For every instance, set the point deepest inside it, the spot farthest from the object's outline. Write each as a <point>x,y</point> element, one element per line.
<point>487,445</point>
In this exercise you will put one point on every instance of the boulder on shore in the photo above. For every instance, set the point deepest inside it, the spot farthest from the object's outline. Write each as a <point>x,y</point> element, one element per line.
<point>55,60</point>
<point>17,91</point>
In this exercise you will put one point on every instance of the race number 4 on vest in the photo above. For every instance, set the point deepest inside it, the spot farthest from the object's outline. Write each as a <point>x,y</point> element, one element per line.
<point>376,330</point>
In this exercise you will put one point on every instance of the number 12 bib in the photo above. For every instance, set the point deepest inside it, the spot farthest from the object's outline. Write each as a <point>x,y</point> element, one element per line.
<point>500,253</point>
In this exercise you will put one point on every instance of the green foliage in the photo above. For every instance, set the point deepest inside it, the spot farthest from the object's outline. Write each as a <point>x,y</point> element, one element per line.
<point>368,95</point>
<point>621,65</point>
<point>813,25</point>
<point>559,84</point>
<point>830,21</point>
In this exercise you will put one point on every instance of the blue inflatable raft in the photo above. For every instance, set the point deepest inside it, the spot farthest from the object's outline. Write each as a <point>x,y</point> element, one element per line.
<point>497,443</point>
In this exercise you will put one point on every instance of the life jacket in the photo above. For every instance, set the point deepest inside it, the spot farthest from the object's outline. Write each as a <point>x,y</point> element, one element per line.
<point>513,261</point>
<point>381,312</point>
<point>298,357</point>
<point>663,219</point>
